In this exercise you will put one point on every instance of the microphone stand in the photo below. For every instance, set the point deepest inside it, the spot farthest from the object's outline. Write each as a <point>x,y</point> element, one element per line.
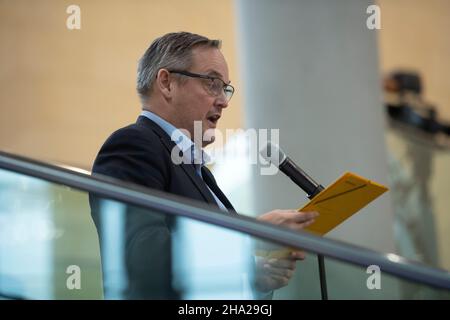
<point>322,277</point>
<point>320,257</point>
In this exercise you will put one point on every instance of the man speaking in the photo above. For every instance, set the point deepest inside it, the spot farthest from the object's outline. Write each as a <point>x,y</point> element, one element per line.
<point>182,81</point>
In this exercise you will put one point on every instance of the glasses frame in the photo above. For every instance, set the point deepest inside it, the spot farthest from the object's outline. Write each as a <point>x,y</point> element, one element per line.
<point>225,86</point>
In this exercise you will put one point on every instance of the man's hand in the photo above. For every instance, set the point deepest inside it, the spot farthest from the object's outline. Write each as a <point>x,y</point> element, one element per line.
<point>293,219</point>
<point>272,274</point>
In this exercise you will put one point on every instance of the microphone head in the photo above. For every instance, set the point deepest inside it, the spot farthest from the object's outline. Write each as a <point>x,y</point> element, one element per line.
<point>273,154</point>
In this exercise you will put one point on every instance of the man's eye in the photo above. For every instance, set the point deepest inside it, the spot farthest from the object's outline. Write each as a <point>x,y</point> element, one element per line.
<point>211,83</point>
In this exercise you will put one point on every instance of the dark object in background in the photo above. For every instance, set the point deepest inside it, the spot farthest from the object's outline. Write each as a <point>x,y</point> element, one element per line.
<point>409,107</point>
<point>403,82</point>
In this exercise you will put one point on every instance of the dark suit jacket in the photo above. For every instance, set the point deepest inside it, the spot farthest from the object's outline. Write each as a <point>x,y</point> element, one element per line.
<point>141,153</point>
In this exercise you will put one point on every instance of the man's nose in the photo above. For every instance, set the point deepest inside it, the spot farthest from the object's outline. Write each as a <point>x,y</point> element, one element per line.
<point>222,101</point>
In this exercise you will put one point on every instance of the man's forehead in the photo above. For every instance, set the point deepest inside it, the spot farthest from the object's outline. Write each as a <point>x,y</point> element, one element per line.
<point>210,61</point>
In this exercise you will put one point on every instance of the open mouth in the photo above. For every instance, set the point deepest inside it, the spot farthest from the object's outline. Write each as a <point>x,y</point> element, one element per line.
<point>213,119</point>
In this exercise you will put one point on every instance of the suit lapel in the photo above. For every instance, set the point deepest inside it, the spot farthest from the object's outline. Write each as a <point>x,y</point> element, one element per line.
<point>199,183</point>
<point>211,182</point>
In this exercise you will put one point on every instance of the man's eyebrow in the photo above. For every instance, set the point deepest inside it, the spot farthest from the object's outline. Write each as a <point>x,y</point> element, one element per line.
<point>216,74</point>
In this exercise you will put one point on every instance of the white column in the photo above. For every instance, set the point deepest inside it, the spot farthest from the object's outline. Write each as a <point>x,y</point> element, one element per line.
<point>310,68</point>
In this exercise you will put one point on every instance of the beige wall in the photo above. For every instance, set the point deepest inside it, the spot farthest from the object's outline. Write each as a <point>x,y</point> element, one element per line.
<point>415,35</point>
<point>63,92</point>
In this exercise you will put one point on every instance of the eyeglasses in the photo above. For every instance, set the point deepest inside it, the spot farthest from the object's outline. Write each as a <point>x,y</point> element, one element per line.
<point>215,86</point>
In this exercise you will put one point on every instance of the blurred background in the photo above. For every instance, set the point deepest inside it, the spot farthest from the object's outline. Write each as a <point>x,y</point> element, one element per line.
<point>345,98</point>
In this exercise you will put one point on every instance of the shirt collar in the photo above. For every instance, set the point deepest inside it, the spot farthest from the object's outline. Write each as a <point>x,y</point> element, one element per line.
<point>191,153</point>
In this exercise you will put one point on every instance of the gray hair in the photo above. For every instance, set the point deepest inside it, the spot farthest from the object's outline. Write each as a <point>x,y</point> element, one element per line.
<point>171,51</point>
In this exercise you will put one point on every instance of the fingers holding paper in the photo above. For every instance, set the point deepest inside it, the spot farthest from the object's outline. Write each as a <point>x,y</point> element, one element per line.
<point>292,219</point>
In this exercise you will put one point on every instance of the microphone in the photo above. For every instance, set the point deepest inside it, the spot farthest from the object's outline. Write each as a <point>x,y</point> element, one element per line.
<point>274,155</point>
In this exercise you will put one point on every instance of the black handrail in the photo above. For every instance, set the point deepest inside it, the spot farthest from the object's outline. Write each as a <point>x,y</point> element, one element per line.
<point>173,205</point>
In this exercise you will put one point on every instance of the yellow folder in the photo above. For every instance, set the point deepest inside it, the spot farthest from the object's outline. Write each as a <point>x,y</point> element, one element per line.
<point>335,204</point>
<point>340,200</point>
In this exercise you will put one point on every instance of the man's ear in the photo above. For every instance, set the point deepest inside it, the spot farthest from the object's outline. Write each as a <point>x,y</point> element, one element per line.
<point>163,82</point>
